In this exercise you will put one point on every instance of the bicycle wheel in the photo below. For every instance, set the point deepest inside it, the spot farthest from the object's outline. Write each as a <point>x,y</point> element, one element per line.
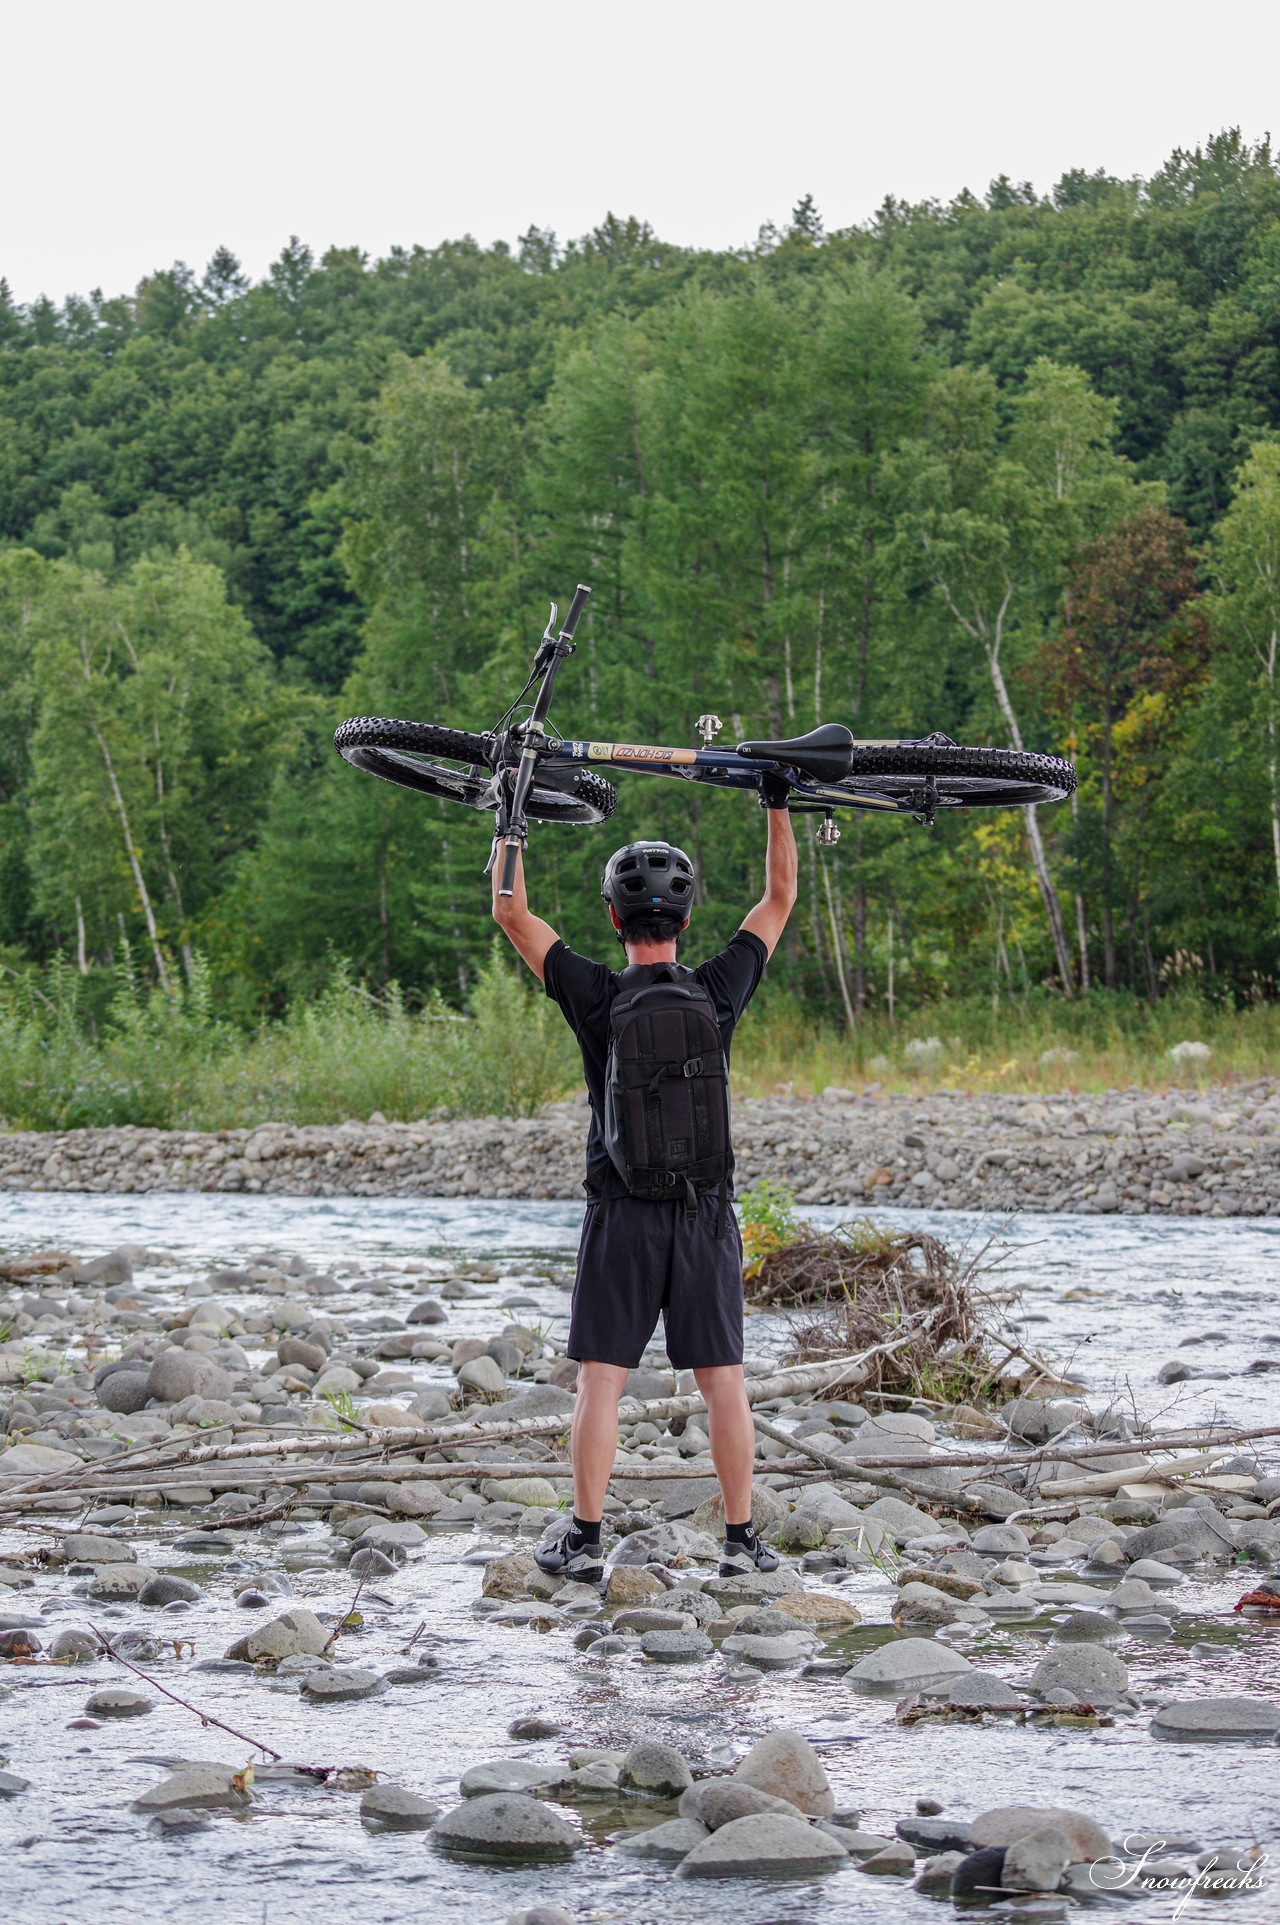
<point>453,766</point>
<point>957,778</point>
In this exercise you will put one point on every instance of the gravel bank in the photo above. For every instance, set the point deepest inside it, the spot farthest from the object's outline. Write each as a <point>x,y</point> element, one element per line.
<point>1214,1152</point>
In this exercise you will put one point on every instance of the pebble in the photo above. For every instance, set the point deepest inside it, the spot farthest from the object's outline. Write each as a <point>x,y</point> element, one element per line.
<point>506,1825</point>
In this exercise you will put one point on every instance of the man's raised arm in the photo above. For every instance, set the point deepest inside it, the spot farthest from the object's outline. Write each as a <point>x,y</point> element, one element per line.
<point>530,935</point>
<point>769,917</point>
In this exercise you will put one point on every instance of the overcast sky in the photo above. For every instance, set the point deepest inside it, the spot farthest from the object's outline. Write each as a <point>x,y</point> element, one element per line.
<point>146,131</point>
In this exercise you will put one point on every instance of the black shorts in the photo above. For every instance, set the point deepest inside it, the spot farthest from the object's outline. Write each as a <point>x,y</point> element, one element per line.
<point>638,1261</point>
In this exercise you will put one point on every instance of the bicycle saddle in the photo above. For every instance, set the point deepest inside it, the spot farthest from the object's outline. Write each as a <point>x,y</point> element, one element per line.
<point>826,753</point>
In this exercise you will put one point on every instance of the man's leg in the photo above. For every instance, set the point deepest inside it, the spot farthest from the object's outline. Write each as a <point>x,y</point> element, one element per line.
<point>732,1435</point>
<point>595,1436</point>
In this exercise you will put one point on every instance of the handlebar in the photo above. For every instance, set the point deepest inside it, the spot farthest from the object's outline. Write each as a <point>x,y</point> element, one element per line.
<point>576,607</point>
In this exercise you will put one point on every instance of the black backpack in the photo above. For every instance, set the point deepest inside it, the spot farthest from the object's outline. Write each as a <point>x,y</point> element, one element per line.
<point>666,1097</point>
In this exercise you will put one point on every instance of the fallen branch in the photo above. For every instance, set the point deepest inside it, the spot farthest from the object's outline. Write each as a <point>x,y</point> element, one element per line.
<point>205,1717</point>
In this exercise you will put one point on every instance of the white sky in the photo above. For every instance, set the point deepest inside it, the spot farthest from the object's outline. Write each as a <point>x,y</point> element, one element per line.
<point>145,131</point>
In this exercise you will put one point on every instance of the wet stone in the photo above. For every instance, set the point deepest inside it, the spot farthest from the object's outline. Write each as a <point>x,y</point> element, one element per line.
<point>397,1808</point>
<point>200,1787</point>
<point>169,1590</point>
<point>718,1801</point>
<point>655,1769</point>
<point>676,1647</point>
<point>117,1702</point>
<point>341,1687</point>
<point>506,1825</point>
<point>668,1843</point>
<point>787,1766</point>
<point>764,1844</point>
<point>504,1774</point>
<point>1246,1720</point>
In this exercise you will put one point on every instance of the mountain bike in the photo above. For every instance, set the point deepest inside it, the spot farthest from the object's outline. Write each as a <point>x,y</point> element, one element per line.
<point>523,770</point>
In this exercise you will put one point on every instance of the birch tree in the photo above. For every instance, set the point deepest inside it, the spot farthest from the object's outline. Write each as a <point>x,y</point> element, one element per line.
<point>1246,608</point>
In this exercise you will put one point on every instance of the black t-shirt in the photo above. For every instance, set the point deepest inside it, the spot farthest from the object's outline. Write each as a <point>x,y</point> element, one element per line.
<point>584,991</point>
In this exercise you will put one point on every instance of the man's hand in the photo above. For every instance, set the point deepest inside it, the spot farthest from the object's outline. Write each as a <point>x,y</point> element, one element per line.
<point>532,937</point>
<point>769,917</point>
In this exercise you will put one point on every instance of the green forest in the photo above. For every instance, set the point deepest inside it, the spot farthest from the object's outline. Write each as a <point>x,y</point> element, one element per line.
<point>1007,467</point>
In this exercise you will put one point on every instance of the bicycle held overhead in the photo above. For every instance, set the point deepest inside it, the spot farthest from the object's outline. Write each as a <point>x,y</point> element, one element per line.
<point>523,770</point>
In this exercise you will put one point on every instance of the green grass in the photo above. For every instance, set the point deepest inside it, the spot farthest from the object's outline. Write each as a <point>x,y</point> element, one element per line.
<point>168,1061</point>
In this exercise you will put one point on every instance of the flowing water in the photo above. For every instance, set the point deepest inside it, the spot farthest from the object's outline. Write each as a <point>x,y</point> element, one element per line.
<point>1113,1296</point>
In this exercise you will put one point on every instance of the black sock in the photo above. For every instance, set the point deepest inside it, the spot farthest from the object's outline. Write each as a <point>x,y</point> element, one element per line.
<point>741,1534</point>
<point>584,1532</point>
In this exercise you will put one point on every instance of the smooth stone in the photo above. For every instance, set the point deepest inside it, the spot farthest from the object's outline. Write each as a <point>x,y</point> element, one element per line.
<point>177,1374</point>
<point>936,1874</point>
<point>786,1766</point>
<point>936,1834</point>
<point>1220,1719</point>
<point>169,1590</point>
<point>397,1808</point>
<point>79,1646</point>
<point>483,1374</point>
<point>506,1825</point>
<point>668,1842</point>
<point>676,1647</point>
<point>118,1703</point>
<point>764,1844</point>
<point>1149,1570</point>
<point>982,1691</point>
<point>816,1607</point>
<point>504,1774</point>
<point>1001,1540</point>
<point>641,1619</point>
<point>117,1582</point>
<point>1087,1627</point>
<point>905,1664</point>
<point>665,1544</point>
<point>1036,1860</point>
<point>11,1786</point>
<point>81,1547</point>
<point>718,1801</point>
<point>977,1876</point>
<point>897,1860</point>
<point>341,1687</point>
<point>657,1769</point>
<point>1004,1824</point>
<point>297,1632</point>
<point>200,1787</point>
<point>1091,1673</point>
<point>37,1460</point>
<point>770,1654</point>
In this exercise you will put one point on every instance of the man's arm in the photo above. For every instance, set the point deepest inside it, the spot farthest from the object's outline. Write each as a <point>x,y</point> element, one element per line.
<point>769,917</point>
<point>530,935</point>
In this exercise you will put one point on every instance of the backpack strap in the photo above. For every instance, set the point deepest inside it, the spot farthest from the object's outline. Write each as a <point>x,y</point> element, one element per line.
<point>722,1209</point>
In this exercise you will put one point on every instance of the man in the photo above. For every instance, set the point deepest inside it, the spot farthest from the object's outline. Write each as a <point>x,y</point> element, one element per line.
<point>639,1258</point>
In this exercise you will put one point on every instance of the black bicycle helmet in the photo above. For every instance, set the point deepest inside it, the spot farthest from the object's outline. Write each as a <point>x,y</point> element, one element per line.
<point>652,876</point>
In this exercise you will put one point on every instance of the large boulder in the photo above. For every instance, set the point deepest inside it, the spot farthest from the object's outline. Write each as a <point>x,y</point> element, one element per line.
<point>176,1374</point>
<point>766,1844</point>
<point>787,1766</point>
<point>1202,1533</point>
<point>506,1825</point>
<point>1005,1824</point>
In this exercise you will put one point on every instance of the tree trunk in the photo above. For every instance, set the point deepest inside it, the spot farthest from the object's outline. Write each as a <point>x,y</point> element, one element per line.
<point>837,949</point>
<point>1108,931</point>
<point>1272,751</point>
<point>82,959</point>
<point>139,880</point>
<point>1039,861</point>
<point>891,968</point>
<point>860,947</point>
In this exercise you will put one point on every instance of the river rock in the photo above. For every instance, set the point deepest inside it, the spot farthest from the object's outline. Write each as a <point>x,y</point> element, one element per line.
<point>1202,1533</point>
<point>341,1687</point>
<point>505,1774</point>
<point>37,1460</point>
<point>1004,1824</point>
<point>631,1584</point>
<point>762,1845</point>
<point>1087,1627</point>
<point>199,1787</point>
<point>77,1647</point>
<point>80,1547</point>
<point>540,1400</point>
<point>905,1664</point>
<point>370,1563</point>
<point>296,1350</point>
<point>397,1808</point>
<point>766,1509</point>
<point>118,1702</point>
<point>169,1590</point>
<point>654,1768</point>
<point>753,1587</point>
<point>295,1633</point>
<point>401,1535</point>
<point>787,1766</point>
<point>897,1860</point>
<point>125,1391</point>
<point>114,1583</point>
<point>977,1876</point>
<point>1146,1571</point>
<point>670,1544</point>
<point>1000,1540</point>
<point>1036,1860</point>
<point>816,1607</point>
<point>666,1843</point>
<point>1092,1674</point>
<point>676,1647</point>
<point>718,1801</point>
<point>337,1379</point>
<point>935,1875</point>
<point>176,1374</point>
<point>1220,1719</point>
<point>926,1604</point>
<point>936,1834</point>
<point>506,1825</point>
<point>508,1577</point>
<point>482,1374</point>
<point>1037,1419</point>
<point>901,1519</point>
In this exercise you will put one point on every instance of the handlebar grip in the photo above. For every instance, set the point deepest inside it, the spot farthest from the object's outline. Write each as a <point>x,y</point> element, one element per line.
<point>576,607</point>
<point>507,880</point>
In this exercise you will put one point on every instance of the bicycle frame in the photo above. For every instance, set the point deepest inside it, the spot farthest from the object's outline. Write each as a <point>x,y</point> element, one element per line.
<point>731,771</point>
